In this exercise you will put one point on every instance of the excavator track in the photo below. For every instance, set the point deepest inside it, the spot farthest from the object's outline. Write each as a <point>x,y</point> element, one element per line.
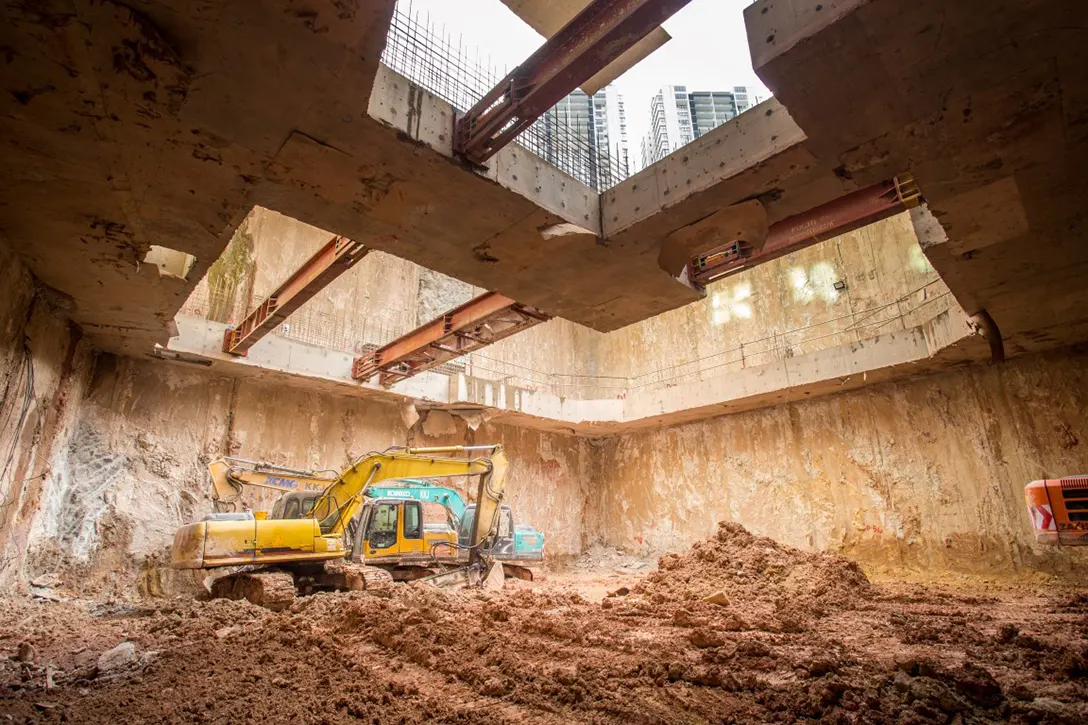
<point>273,590</point>
<point>353,577</point>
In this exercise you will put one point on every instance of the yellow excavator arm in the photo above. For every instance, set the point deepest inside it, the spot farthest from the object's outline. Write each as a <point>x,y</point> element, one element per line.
<point>229,475</point>
<point>342,499</point>
<point>237,539</point>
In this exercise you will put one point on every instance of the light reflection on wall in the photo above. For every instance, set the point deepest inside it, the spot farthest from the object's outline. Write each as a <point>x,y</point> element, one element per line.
<point>817,282</point>
<point>732,303</point>
<point>918,260</point>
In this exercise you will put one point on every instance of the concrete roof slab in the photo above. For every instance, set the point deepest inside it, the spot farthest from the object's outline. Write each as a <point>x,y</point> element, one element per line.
<point>983,108</point>
<point>163,124</point>
<point>102,152</point>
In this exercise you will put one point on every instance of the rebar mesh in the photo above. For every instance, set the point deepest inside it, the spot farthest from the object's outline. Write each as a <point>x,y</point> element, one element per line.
<point>458,74</point>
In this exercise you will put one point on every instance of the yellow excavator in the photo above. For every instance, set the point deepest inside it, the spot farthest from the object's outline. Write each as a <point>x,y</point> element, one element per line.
<point>434,517</point>
<point>326,549</point>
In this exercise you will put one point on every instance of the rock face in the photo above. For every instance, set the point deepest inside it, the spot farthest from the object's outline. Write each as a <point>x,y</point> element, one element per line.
<point>120,656</point>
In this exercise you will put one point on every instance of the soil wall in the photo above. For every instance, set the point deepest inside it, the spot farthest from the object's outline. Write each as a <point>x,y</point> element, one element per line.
<point>43,370</point>
<point>924,473</point>
<point>134,466</point>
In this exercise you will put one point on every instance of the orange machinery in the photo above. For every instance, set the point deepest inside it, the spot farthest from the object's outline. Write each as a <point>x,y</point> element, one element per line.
<point>1059,510</point>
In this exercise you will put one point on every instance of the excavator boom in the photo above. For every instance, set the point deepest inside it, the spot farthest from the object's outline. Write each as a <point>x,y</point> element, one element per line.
<point>229,475</point>
<point>342,499</point>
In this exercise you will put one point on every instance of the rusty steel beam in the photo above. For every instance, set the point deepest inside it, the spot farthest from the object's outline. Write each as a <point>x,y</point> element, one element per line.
<point>337,256</point>
<point>845,214</point>
<point>595,37</point>
<point>475,324</point>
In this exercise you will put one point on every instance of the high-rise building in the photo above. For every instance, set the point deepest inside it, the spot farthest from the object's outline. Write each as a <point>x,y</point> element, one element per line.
<point>679,116</point>
<point>616,136</point>
<point>586,136</point>
<point>670,124</point>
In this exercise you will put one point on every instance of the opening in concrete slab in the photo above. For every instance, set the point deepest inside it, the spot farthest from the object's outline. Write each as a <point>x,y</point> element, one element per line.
<point>677,84</point>
<point>171,262</point>
<point>378,300</point>
<point>584,135</point>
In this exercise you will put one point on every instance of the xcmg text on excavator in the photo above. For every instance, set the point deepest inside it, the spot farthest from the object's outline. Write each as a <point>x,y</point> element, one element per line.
<point>328,548</point>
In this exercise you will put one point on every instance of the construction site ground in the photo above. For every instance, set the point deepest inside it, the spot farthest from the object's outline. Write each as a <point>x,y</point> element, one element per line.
<point>738,629</point>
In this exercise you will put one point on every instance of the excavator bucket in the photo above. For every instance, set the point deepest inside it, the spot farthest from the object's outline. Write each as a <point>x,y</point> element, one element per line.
<point>460,578</point>
<point>488,504</point>
<point>487,576</point>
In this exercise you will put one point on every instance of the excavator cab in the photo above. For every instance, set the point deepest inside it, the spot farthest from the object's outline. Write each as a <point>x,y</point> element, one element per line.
<point>295,505</point>
<point>392,531</point>
<point>391,527</point>
<point>381,528</point>
<point>513,542</point>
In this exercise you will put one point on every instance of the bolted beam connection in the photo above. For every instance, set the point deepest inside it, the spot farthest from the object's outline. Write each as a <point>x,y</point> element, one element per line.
<point>837,217</point>
<point>337,256</point>
<point>475,324</point>
<point>595,37</point>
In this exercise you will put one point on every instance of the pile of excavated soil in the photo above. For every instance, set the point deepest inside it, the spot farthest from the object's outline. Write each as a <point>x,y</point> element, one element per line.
<point>712,637</point>
<point>761,582</point>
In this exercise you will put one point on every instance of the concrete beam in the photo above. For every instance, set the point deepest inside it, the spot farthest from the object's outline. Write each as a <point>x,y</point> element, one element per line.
<point>935,344</point>
<point>986,110</point>
<point>548,18</point>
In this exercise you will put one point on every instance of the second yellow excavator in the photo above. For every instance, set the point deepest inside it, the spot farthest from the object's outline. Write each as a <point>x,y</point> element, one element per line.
<point>230,475</point>
<point>311,553</point>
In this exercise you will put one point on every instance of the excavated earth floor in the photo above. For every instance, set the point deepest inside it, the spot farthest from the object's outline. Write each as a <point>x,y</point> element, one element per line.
<point>738,629</point>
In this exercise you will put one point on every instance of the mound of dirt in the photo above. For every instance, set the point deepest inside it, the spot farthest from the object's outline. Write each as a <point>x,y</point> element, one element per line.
<point>762,580</point>
<point>738,629</point>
